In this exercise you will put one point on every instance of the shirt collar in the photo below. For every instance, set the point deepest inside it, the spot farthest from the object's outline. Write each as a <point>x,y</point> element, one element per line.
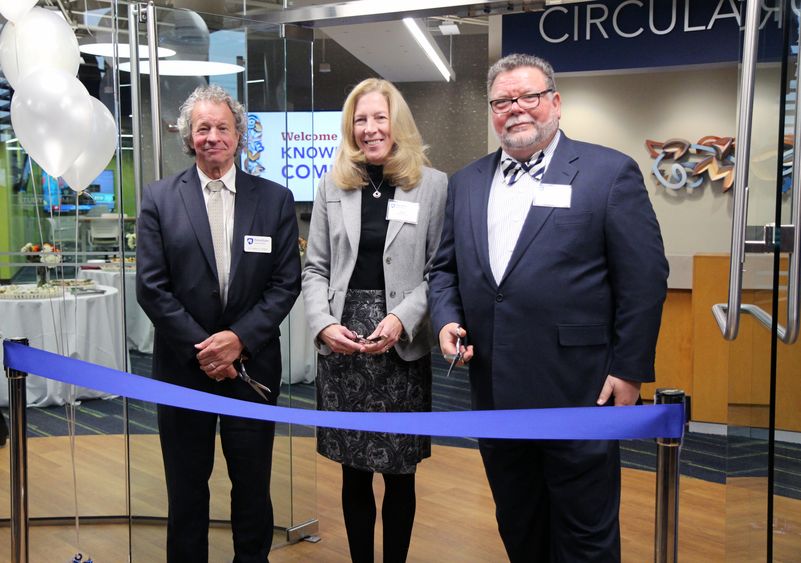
<point>229,178</point>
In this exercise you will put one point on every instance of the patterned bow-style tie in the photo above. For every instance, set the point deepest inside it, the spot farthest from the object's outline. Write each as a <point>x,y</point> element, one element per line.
<point>512,169</point>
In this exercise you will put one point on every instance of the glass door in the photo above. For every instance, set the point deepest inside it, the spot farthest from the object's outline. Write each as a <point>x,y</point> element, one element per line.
<point>763,478</point>
<point>267,68</point>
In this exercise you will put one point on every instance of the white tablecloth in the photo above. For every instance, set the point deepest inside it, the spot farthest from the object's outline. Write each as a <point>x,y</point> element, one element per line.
<point>297,346</point>
<point>140,329</point>
<point>87,327</point>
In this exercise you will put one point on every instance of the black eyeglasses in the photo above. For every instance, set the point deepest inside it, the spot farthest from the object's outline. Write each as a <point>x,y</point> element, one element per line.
<point>456,357</point>
<point>526,101</point>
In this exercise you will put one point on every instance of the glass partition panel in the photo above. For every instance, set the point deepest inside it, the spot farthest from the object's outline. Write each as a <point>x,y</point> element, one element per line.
<point>270,69</point>
<point>762,454</point>
<point>786,458</point>
<point>55,233</point>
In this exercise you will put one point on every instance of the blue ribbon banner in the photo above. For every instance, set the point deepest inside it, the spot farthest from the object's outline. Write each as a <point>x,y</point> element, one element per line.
<point>584,423</point>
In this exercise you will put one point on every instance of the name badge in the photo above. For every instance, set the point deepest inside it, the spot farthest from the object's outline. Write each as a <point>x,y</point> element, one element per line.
<point>553,195</point>
<point>404,211</point>
<point>263,245</point>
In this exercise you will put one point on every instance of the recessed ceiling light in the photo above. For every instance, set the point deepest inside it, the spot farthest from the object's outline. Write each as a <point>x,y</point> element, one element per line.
<point>123,50</point>
<point>426,43</point>
<point>186,68</point>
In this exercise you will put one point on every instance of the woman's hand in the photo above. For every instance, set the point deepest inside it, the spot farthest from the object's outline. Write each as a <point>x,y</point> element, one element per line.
<point>340,339</point>
<point>385,335</point>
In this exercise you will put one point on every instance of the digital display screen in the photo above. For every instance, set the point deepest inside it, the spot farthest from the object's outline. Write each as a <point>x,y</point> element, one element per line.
<point>294,149</point>
<point>59,198</point>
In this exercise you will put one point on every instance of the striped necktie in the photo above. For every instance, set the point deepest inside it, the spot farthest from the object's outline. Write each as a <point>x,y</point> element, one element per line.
<point>513,169</point>
<point>214,207</point>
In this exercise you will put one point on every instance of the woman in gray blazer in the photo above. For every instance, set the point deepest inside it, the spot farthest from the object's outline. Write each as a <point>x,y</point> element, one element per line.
<point>374,231</point>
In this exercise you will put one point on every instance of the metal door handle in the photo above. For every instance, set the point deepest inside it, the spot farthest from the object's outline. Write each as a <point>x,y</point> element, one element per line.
<point>728,315</point>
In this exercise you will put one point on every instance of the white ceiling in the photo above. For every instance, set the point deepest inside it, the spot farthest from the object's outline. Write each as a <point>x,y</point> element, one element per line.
<point>389,49</point>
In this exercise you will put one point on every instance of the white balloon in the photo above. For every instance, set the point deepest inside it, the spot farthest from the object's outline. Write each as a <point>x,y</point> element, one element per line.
<point>13,10</point>
<point>51,113</point>
<point>40,39</point>
<point>98,152</point>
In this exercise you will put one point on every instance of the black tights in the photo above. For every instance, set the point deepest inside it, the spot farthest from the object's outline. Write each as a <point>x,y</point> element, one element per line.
<point>397,513</point>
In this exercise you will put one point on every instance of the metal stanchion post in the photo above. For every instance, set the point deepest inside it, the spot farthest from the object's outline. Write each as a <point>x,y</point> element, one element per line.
<point>17,401</point>
<point>666,534</point>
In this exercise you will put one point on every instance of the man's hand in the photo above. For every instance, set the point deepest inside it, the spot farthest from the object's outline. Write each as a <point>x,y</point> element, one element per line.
<point>340,339</point>
<point>447,342</point>
<point>625,392</point>
<point>218,353</point>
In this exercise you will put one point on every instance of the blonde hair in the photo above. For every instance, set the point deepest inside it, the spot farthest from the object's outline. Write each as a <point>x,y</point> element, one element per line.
<point>404,165</point>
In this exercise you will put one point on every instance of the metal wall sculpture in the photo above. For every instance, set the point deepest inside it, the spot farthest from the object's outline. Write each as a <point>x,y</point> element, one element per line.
<point>710,156</point>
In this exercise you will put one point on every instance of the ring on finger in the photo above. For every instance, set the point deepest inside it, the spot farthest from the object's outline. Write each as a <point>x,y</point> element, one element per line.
<point>212,366</point>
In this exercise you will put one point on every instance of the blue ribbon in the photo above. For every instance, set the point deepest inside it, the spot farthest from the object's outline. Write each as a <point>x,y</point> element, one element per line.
<point>583,423</point>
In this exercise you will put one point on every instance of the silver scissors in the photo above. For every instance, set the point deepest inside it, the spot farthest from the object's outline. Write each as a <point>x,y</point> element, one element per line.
<point>242,374</point>
<point>456,357</point>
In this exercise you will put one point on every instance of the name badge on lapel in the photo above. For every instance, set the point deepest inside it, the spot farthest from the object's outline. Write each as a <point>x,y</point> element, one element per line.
<point>552,195</point>
<point>403,211</point>
<point>262,245</point>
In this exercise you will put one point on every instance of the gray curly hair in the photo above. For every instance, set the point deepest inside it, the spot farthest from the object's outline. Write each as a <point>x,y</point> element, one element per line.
<point>215,94</point>
<point>517,60</point>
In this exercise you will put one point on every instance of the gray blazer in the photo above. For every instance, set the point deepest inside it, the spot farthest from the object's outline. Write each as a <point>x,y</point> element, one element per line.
<point>408,254</point>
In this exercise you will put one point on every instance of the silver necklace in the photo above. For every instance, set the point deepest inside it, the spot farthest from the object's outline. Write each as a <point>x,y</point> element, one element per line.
<point>376,190</point>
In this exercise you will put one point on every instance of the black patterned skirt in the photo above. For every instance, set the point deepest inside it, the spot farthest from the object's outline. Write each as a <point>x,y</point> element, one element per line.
<point>372,383</point>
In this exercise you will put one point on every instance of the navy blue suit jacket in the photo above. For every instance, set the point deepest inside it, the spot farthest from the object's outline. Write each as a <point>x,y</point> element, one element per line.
<point>176,281</point>
<point>581,297</point>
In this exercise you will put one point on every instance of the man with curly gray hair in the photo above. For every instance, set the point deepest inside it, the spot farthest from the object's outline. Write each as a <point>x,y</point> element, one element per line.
<point>215,94</point>
<point>217,271</point>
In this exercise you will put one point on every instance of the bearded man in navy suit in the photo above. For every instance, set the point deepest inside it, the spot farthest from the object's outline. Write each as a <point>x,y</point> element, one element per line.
<point>551,263</point>
<point>218,269</point>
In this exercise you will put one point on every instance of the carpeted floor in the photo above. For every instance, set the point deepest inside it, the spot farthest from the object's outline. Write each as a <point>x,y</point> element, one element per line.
<point>704,456</point>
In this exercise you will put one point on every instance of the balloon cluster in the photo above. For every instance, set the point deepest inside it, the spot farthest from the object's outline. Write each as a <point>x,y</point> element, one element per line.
<point>64,129</point>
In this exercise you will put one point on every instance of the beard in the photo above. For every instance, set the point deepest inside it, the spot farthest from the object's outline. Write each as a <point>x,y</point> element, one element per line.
<point>536,139</point>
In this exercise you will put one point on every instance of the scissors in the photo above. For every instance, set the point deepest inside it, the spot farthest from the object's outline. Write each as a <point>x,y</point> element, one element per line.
<point>242,374</point>
<point>457,356</point>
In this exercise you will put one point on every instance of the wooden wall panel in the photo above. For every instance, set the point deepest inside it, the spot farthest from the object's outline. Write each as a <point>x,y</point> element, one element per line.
<point>674,359</point>
<point>710,350</point>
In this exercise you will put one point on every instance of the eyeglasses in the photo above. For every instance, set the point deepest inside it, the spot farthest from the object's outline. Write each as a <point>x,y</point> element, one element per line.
<point>526,101</point>
<point>457,357</point>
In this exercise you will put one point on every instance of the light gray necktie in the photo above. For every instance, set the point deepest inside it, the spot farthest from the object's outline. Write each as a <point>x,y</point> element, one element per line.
<point>214,207</point>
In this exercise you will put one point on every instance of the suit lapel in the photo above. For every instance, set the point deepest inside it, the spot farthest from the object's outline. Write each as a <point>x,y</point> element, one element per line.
<point>478,200</point>
<point>394,227</point>
<point>195,205</point>
<point>561,170</point>
<point>246,202</point>
<point>352,217</point>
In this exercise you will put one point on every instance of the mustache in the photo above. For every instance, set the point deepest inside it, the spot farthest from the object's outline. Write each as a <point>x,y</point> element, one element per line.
<point>517,120</point>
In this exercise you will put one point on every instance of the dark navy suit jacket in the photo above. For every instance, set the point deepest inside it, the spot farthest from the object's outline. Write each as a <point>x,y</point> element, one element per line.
<point>177,284</point>
<point>582,294</point>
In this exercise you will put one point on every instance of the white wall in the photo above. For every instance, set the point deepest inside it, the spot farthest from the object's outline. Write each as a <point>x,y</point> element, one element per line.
<point>622,111</point>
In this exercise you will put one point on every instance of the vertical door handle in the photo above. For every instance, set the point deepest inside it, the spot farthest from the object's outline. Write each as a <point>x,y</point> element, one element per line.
<point>728,315</point>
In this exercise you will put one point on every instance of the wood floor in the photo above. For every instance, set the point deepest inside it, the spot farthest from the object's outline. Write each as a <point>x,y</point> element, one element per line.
<point>454,523</point>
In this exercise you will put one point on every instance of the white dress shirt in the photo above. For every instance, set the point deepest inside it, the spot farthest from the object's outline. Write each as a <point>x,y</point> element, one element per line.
<point>228,194</point>
<point>507,210</point>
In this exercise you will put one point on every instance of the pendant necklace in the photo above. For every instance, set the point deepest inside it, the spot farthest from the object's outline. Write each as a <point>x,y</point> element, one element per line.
<point>376,190</point>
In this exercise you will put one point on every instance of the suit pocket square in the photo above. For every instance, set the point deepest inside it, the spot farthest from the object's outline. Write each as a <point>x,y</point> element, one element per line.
<point>583,335</point>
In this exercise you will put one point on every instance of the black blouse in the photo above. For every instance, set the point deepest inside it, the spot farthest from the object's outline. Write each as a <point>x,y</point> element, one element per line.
<point>369,270</point>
